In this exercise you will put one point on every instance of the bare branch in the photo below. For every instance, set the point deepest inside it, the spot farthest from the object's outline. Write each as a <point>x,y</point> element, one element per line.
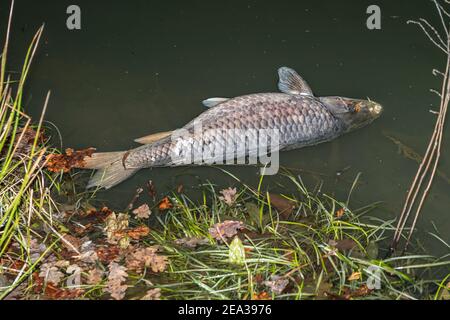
<point>428,35</point>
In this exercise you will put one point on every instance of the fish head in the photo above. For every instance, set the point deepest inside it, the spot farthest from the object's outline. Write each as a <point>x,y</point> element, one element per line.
<point>353,113</point>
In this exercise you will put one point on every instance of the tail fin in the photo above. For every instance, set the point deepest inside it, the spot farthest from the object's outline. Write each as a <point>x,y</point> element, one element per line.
<point>110,169</point>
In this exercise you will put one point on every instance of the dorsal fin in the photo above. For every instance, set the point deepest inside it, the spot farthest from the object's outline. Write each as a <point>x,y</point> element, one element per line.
<point>291,83</point>
<point>212,102</point>
<point>153,137</point>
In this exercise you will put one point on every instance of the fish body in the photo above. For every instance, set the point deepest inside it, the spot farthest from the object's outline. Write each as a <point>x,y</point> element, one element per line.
<point>300,120</point>
<point>241,127</point>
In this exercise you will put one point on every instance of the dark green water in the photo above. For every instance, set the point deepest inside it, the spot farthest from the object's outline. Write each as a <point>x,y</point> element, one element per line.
<point>138,67</point>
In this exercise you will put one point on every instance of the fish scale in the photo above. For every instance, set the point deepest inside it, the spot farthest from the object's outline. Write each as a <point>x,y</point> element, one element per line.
<point>301,121</point>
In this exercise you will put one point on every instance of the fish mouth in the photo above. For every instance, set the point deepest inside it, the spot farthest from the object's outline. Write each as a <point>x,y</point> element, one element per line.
<point>376,110</point>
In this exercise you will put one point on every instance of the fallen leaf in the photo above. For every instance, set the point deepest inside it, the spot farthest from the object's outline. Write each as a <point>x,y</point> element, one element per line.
<point>165,204</point>
<point>65,162</point>
<point>50,273</point>
<point>25,138</point>
<point>135,198</point>
<point>258,278</point>
<point>284,206</point>
<point>74,278</point>
<point>372,250</point>
<point>152,294</point>
<point>236,252</point>
<point>261,296</point>
<point>226,229</point>
<point>70,242</point>
<point>89,256</point>
<point>192,242</point>
<point>108,253</point>
<point>116,277</point>
<point>55,293</point>
<point>354,276</point>
<point>143,212</point>
<point>228,196</point>
<point>344,244</point>
<point>340,213</point>
<point>138,232</point>
<point>277,284</point>
<point>94,276</point>
<point>146,258</point>
<point>115,225</point>
<point>445,293</point>
<point>36,250</point>
<point>124,242</point>
<point>151,189</point>
<point>362,291</point>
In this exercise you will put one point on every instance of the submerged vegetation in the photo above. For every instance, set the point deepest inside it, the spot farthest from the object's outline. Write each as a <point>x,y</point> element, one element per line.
<point>237,243</point>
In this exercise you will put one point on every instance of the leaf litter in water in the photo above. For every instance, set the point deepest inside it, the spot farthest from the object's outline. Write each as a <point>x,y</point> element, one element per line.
<point>152,294</point>
<point>147,257</point>
<point>71,159</point>
<point>192,242</point>
<point>94,276</point>
<point>344,244</point>
<point>142,212</point>
<point>236,252</point>
<point>116,278</point>
<point>226,229</point>
<point>228,196</point>
<point>276,284</point>
<point>285,207</point>
<point>165,204</point>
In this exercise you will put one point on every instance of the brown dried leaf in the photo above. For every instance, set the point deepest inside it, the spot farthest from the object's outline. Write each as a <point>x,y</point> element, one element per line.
<point>362,291</point>
<point>25,138</point>
<point>71,243</point>
<point>50,273</point>
<point>108,254</point>
<point>340,213</point>
<point>115,225</point>
<point>89,256</point>
<point>138,232</point>
<point>284,206</point>
<point>228,196</point>
<point>344,244</point>
<point>94,276</point>
<point>165,204</point>
<point>261,296</point>
<point>152,294</point>
<point>146,258</point>
<point>226,229</point>
<point>116,277</point>
<point>71,159</point>
<point>354,276</point>
<point>55,293</point>
<point>151,189</point>
<point>277,284</point>
<point>191,242</point>
<point>143,212</point>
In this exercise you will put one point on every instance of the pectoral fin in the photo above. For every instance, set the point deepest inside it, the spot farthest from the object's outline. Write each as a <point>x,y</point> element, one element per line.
<point>212,102</point>
<point>291,83</point>
<point>153,137</point>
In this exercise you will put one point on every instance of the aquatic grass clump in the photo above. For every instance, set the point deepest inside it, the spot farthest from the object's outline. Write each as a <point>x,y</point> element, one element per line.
<point>323,250</point>
<point>26,206</point>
